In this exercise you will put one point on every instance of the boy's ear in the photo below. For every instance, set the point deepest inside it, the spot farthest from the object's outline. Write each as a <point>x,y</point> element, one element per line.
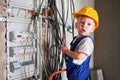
<point>93,29</point>
<point>75,24</point>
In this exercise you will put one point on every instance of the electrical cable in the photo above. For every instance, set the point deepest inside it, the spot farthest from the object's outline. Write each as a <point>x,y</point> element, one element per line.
<point>55,73</point>
<point>39,8</point>
<point>55,37</point>
<point>67,13</point>
<point>72,10</point>
<point>55,48</point>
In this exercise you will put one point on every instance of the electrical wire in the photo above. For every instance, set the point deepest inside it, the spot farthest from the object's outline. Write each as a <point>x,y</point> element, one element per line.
<point>72,10</point>
<point>55,36</point>
<point>54,48</point>
<point>39,8</point>
<point>55,73</point>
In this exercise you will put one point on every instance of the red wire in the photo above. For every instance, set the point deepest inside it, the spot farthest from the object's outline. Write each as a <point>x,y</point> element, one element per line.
<point>54,73</point>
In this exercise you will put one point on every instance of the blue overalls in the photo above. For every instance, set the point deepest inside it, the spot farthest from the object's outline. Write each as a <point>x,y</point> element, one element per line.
<point>74,71</point>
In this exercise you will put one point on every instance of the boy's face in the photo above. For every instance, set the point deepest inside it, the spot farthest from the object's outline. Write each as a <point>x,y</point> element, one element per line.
<point>85,25</point>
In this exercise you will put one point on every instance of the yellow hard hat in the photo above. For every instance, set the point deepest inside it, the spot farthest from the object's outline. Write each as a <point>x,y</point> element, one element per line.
<point>90,12</point>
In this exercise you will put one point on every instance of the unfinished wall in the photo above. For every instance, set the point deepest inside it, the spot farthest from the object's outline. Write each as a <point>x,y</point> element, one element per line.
<point>2,40</point>
<point>107,39</point>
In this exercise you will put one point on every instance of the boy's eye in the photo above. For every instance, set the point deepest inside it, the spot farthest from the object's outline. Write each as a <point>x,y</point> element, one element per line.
<point>89,24</point>
<point>82,22</point>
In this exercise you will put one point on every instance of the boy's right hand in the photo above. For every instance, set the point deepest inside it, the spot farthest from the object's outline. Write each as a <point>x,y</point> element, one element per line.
<point>64,49</point>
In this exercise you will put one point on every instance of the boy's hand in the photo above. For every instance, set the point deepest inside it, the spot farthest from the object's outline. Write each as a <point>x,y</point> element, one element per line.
<point>64,49</point>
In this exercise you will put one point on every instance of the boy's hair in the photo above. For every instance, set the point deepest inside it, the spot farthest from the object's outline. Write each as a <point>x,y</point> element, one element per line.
<point>89,12</point>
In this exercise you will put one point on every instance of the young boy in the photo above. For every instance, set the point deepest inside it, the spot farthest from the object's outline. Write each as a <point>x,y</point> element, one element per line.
<point>78,57</point>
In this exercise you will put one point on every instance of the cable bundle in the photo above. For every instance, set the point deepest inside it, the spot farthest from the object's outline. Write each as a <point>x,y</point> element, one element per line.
<point>54,35</point>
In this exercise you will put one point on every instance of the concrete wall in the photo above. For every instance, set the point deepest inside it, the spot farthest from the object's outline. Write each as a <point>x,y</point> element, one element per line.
<point>107,39</point>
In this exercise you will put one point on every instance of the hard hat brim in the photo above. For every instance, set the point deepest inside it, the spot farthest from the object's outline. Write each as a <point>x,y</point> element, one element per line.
<point>76,15</point>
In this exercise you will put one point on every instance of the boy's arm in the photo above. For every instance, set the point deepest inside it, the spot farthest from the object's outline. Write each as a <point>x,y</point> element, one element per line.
<point>73,54</point>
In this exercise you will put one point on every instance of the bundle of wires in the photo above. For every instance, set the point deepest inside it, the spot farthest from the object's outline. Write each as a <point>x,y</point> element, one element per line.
<point>54,32</point>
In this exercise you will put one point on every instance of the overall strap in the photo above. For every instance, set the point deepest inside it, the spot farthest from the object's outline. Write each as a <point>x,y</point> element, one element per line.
<point>75,42</point>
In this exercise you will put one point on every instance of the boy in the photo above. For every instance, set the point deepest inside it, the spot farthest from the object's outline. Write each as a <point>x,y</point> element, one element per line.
<point>78,57</point>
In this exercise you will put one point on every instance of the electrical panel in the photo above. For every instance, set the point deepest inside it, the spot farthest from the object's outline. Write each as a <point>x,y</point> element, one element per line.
<point>20,39</point>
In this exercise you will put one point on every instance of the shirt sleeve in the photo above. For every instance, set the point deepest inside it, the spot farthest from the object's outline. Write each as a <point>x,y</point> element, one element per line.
<point>86,46</point>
